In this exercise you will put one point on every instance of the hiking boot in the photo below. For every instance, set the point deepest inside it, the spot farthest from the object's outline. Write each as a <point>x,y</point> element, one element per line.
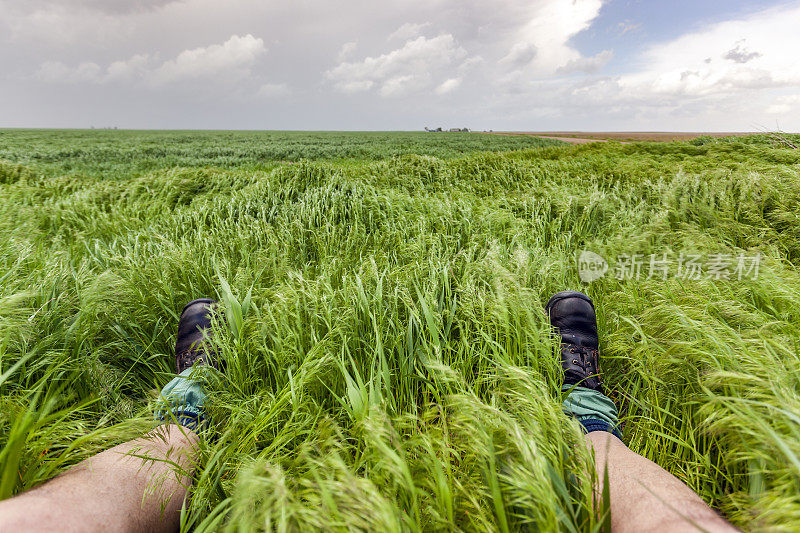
<point>191,347</point>
<point>572,315</point>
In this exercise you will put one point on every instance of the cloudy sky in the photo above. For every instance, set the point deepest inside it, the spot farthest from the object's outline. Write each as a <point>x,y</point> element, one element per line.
<point>692,65</point>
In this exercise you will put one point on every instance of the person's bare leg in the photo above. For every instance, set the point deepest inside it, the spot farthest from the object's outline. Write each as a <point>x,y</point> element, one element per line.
<point>115,490</point>
<point>139,485</point>
<point>644,496</point>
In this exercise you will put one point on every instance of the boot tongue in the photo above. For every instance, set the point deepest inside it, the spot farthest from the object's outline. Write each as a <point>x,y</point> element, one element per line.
<point>191,344</point>
<point>580,339</point>
<point>576,323</point>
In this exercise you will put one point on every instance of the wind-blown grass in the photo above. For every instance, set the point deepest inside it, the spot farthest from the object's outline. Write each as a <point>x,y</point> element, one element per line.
<point>389,364</point>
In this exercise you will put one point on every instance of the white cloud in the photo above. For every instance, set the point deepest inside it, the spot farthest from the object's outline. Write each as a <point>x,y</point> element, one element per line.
<point>507,43</point>
<point>55,71</point>
<point>547,30</point>
<point>229,61</point>
<point>354,86</point>
<point>448,86</point>
<point>520,56</point>
<point>408,31</point>
<point>346,50</point>
<point>727,76</point>
<point>784,104</point>
<point>136,67</point>
<point>587,64</point>
<point>750,57</point>
<point>399,85</point>
<point>470,63</point>
<point>234,57</point>
<point>412,67</point>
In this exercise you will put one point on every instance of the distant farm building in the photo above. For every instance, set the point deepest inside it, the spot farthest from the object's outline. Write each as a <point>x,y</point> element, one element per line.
<point>451,130</point>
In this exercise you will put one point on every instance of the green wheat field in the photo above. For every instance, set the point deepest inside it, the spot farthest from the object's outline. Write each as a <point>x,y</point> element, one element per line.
<point>389,363</point>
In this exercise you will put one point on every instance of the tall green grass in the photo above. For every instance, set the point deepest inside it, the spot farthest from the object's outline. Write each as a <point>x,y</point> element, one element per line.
<point>389,363</point>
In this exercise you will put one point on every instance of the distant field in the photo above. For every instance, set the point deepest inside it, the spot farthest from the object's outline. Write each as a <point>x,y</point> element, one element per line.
<point>389,363</point>
<point>629,136</point>
<point>111,152</point>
